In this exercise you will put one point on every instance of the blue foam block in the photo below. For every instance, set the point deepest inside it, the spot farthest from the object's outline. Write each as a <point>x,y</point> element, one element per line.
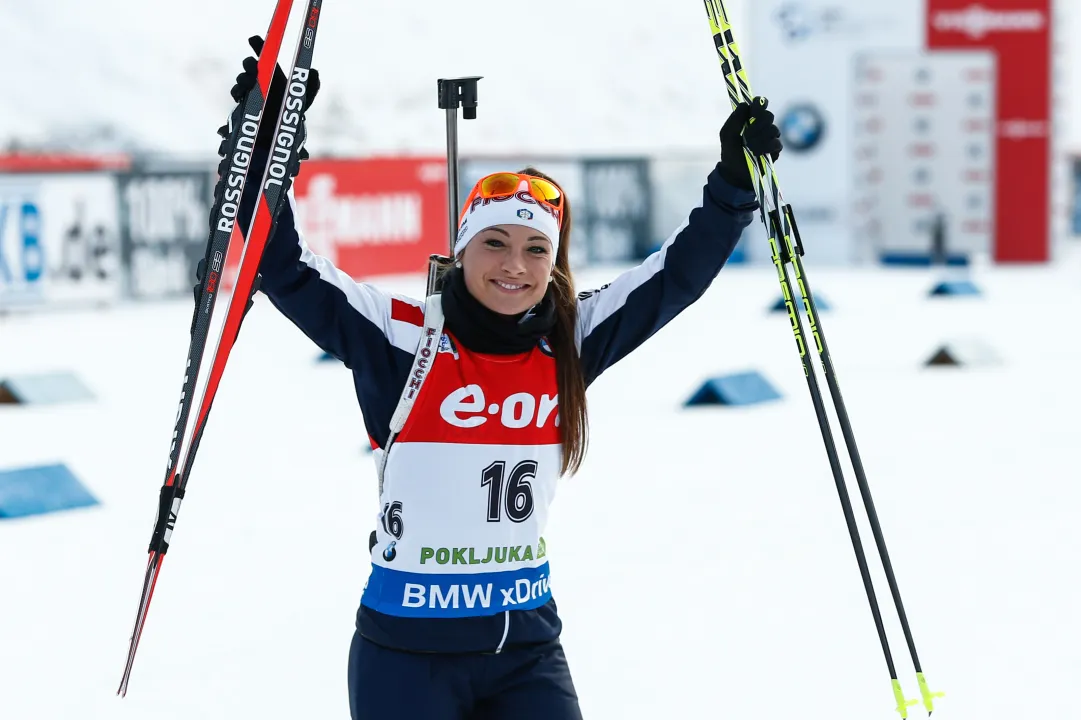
<point>748,388</point>
<point>921,259</point>
<point>326,357</point>
<point>953,288</point>
<point>40,490</point>
<point>821,304</point>
<point>45,389</point>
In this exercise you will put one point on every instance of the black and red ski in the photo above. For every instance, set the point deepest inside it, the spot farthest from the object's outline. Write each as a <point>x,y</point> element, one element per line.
<point>276,178</point>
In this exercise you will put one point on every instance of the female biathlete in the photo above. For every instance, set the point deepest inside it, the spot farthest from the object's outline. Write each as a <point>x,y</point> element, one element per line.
<point>476,405</point>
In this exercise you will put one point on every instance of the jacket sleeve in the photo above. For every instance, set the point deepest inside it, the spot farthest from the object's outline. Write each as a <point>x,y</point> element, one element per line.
<point>620,316</point>
<point>372,332</point>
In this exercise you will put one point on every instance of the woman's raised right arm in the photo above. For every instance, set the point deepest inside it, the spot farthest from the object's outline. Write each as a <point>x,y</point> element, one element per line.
<point>371,331</point>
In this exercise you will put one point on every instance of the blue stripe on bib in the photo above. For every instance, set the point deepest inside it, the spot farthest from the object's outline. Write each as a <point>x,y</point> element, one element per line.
<point>406,594</point>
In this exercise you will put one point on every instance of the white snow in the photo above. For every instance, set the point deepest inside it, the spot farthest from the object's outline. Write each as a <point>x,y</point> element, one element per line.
<point>700,559</point>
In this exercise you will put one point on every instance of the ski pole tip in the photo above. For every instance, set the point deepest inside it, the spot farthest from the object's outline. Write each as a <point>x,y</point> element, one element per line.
<point>926,694</point>
<point>903,704</point>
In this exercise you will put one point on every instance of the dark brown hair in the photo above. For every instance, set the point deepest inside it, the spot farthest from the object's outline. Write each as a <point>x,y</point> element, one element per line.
<point>573,420</point>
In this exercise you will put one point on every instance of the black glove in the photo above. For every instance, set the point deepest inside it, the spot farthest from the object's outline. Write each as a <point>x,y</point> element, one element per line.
<point>749,125</point>
<point>247,80</point>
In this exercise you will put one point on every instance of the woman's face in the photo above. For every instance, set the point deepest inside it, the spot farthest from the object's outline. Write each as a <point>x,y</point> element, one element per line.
<point>507,268</point>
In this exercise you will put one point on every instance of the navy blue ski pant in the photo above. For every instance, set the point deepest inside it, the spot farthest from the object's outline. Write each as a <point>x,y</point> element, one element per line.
<point>522,683</point>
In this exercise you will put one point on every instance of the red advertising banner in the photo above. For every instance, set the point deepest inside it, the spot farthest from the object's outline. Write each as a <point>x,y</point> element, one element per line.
<point>380,216</point>
<point>61,162</point>
<point>374,216</point>
<point>1019,32</point>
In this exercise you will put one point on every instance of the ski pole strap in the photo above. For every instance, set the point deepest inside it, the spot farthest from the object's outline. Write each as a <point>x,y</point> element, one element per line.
<point>168,506</point>
<point>422,363</point>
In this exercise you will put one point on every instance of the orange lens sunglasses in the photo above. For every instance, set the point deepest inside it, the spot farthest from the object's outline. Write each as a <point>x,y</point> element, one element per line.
<point>506,184</point>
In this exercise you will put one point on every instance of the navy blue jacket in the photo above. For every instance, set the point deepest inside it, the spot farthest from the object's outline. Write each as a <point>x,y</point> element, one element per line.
<point>354,322</point>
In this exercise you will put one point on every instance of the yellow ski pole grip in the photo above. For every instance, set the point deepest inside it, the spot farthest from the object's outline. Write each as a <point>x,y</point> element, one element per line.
<point>902,704</point>
<point>926,694</point>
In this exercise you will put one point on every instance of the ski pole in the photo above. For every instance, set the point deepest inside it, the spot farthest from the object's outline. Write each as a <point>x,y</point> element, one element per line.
<point>739,91</point>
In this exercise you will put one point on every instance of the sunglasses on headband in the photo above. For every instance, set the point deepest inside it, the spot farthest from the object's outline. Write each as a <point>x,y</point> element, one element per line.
<point>506,184</point>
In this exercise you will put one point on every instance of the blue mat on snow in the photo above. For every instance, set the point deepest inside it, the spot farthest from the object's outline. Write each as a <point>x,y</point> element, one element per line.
<point>44,389</point>
<point>821,304</point>
<point>40,490</point>
<point>748,388</point>
<point>954,288</point>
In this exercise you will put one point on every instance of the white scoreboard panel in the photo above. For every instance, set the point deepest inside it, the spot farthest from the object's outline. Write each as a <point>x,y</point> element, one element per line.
<point>923,150</point>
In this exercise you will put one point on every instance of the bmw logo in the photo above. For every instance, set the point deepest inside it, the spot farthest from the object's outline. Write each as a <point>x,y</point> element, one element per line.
<point>802,127</point>
<point>390,553</point>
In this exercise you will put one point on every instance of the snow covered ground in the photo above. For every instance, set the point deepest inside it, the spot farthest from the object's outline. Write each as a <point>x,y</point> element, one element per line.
<point>700,558</point>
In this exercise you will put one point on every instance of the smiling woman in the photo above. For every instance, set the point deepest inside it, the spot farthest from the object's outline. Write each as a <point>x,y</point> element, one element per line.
<point>475,405</point>
<point>508,268</point>
<point>518,221</point>
<point>511,285</point>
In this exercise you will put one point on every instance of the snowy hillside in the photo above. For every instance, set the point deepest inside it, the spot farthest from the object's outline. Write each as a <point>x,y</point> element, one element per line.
<point>565,76</point>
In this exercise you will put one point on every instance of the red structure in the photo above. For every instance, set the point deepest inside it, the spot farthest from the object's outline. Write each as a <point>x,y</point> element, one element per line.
<point>1019,33</point>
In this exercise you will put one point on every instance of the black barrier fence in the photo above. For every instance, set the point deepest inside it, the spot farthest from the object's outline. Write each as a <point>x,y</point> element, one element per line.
<point>1075,199</point>
<point>83,238</point>
<point>617,209</point>
<point>163,230</point>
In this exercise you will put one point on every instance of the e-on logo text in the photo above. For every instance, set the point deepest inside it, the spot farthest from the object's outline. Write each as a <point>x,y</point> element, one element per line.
<point>465,408</point>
